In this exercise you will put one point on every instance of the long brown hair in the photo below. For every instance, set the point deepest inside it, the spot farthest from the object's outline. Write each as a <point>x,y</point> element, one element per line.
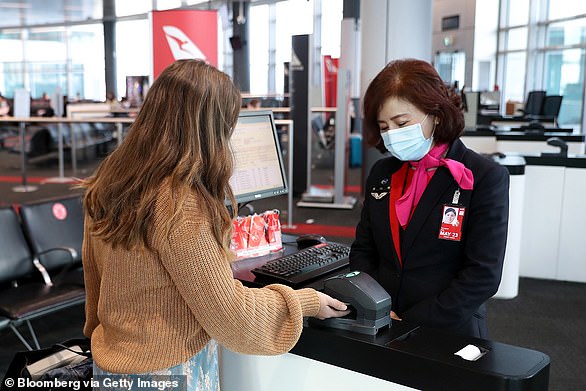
<point>181,134</point>
<point>417,82</point>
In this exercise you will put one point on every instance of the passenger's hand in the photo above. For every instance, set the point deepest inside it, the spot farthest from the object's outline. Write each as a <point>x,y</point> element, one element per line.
<point>330,307</point>
<point>395,316</point>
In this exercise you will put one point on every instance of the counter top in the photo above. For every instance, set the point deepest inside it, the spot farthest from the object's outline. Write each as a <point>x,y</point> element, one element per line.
<point>572,161</point>
<point>413,356</point>
<point>424,359</point>
<point>502,134</point>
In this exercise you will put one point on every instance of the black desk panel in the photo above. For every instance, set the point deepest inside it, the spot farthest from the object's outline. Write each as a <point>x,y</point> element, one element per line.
<point>417,357</point>
<point>424,359</point>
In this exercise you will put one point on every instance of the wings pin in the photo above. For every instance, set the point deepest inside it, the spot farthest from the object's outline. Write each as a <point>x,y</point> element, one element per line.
<point>380,192</point>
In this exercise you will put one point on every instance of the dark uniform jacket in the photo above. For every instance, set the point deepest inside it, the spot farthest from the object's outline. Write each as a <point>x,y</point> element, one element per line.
<point>441,283</point>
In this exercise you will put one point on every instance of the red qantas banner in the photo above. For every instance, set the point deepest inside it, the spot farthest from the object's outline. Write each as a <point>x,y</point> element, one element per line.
<point>183,34</point>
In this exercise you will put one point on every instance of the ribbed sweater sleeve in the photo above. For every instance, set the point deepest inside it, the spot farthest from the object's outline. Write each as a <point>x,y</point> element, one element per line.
<point>265,320</point>
<point>91,280</point>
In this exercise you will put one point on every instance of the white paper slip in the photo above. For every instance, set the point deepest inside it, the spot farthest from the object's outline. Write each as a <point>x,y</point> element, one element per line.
<point>470,353</point>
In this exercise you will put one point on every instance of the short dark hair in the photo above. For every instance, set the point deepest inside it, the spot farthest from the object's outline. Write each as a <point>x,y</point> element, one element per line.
<point>450,210</point>
<point>417,82</point>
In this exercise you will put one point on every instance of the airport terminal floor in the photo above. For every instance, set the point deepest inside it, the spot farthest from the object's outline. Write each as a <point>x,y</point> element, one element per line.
<point>546,315</point>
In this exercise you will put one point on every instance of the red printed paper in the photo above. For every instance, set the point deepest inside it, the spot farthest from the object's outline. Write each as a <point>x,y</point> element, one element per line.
<point>256,235</point>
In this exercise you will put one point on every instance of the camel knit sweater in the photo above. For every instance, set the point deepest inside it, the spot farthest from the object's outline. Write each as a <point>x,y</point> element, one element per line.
<point>146,312</point>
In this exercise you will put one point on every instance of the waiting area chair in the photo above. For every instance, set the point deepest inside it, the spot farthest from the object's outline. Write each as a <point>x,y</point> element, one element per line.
<point>27,290</point>
<point>54,229</point>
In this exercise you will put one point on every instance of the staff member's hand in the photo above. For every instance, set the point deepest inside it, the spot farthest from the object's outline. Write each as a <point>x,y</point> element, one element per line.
<point>330,307</point>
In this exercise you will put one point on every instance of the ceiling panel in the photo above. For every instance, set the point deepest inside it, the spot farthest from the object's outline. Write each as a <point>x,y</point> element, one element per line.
<point>14,13</point>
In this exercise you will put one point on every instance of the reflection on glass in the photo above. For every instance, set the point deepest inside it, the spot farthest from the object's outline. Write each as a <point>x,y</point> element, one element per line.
<point>564,75</point>
<point>571,32</point>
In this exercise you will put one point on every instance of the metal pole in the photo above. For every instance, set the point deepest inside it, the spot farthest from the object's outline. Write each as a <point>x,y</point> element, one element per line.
<point>73,150</point>
<point>290,132</point>
<point>290,177</point>
<point>60,147</point>
<point>24,188</point>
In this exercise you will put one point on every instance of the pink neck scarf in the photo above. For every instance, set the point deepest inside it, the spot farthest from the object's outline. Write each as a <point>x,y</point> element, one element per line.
<point>462,175</point>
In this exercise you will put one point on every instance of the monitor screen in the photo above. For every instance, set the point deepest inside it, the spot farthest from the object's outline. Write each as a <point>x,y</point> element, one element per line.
<point>258,169</point>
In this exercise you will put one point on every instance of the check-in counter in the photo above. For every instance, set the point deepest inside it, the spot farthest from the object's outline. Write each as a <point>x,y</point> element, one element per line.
<point>483,140</point>
<point>554,218</point>
<point>553,229</point>
<point>402,357</point>
<point>509,286</point>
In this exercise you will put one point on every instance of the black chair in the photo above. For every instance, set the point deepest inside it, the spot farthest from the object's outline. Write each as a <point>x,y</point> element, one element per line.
<point>551,105</point>
<point>56,224</point>
<point>534,103</point>
<point>23,295</point>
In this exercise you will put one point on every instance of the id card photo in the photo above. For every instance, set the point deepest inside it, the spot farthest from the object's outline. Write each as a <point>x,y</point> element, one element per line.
<point>451,226</point>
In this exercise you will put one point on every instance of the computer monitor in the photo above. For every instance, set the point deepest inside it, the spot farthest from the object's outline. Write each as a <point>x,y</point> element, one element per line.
<point>258,170</point>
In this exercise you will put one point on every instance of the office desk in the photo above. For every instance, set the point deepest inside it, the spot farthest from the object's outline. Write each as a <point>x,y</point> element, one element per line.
<point>400,358</point>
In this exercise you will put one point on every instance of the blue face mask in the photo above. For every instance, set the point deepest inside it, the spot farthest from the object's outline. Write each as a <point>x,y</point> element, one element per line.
<point>407,143</point>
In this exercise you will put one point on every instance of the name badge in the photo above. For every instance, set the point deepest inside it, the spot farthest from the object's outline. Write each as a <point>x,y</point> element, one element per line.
<point>452,218</point>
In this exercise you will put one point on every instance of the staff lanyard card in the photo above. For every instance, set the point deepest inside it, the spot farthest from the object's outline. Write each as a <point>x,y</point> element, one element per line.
<point>452,218</point>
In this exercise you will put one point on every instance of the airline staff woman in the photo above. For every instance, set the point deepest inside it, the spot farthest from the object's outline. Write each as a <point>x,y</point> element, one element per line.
<point>439,274</point>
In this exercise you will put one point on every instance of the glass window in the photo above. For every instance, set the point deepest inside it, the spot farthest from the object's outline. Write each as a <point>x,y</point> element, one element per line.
<point>564,75</point>
<point>11,72</point>
<point>11,47</point>
<point>451,67</point>
<point>514,76</point>
<point>571,32</point>
<point>168,4</point>
<point>294,17</point>
<point>259,49</point>
<point>517,13</point>
<point>133,51</point>
<point>565,8</point>
<point>514,39</point>
<point>134,7</point>
<point>11,77</point>
<point>46,45</point>
<point>45,77</point>
<point>45,53</point>
<point>331,27</point>
<point>87,66</point>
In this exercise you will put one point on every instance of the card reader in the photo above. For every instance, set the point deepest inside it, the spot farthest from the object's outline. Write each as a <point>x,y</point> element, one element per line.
<point>369,302</point>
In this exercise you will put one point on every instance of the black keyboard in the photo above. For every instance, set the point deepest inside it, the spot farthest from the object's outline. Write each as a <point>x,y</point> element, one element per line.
<point>305,264</point>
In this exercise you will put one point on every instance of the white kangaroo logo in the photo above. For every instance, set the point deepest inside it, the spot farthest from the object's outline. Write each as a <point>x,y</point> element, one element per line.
<point>181,46</point>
